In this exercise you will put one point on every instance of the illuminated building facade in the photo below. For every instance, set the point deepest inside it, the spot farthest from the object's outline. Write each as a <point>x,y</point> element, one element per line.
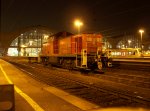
<point>28,43</point>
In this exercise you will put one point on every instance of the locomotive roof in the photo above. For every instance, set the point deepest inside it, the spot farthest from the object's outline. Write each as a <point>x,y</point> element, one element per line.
<point>62,34</point>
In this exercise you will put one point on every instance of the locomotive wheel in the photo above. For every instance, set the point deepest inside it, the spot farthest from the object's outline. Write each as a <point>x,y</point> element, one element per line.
<point>73,64</point>
<point>64,64</point>
<point>68,64</point>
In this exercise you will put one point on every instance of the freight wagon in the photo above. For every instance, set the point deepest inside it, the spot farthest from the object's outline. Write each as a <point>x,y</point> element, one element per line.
<point>73,51</point>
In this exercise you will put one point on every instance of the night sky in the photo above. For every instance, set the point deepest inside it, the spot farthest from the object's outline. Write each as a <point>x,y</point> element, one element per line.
<point>105,16</point>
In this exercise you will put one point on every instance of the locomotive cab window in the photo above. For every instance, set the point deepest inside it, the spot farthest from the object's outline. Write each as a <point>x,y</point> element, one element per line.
<point>89,39</point>
<point>98,39</point>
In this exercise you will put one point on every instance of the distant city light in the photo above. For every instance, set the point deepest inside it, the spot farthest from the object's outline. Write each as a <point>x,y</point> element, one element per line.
<point>141,31</point>
<point>46,36</point>
<point>30,43</point>
<point>123,46</point>
<point>129,41</point>
<point>23,46</point>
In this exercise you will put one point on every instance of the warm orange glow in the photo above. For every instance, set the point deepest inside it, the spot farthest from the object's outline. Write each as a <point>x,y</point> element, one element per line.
<point>78,23</point>
<point>23,46</point>
<point>129,41</point>
<point>141,30</point>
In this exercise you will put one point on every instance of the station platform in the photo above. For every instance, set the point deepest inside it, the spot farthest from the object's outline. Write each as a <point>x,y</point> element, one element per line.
<point>33,95</point>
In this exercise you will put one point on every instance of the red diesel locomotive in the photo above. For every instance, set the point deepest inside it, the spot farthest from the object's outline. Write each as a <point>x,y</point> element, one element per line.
<point>73,51</point>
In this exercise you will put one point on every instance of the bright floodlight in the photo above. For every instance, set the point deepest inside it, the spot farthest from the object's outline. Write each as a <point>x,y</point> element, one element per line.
<point>78,24</point>
<point>141,31</point>
<point>23,46</point>
<point>129,41</point>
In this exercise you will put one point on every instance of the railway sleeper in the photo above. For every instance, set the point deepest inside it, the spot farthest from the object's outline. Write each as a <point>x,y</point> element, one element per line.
<point>109,98</point>
<point>79,90</point>
<point>79,93</point>
<point>77,87</point>
<point>119,102</point>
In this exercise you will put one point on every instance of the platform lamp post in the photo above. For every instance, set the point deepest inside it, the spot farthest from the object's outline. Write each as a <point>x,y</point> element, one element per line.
<point>129,41</point>
<point>78,24</point>
<point>141,32</point>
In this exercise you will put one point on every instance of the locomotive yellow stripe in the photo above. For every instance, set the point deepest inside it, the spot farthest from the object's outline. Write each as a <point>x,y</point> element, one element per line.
<point>34,105</point>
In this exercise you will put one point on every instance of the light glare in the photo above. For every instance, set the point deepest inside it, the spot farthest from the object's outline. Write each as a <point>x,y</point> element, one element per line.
<point>78,23</point>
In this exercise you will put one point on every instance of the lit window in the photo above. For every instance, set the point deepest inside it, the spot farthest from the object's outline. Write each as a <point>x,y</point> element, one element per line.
<point>89,39</point>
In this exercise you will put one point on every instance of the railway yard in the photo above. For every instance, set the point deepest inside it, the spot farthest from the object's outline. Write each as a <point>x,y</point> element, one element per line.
<point>115,87</point>
<point>75,55</point>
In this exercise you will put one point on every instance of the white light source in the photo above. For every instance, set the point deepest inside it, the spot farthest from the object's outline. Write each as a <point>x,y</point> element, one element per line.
<point>141,32</point>
<point>23,46</point>
<point>30,43</point>
<point>45,36</point>
<point>129,41</point>
<point>78,24</point>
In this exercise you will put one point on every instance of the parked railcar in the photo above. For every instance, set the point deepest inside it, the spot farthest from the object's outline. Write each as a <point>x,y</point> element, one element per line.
<point>73,51</point>
<point>125,53</point>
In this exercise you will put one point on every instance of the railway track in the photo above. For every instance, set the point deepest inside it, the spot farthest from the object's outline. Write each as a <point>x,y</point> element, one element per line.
<point>132,65</point>
<point>88,89</point>
<point>133,77</point>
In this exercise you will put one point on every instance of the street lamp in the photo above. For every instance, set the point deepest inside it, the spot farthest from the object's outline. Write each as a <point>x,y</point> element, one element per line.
<point>129,41</point>
<point>78,24</point>
<point>123,46</point>
<point>141,31</point>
